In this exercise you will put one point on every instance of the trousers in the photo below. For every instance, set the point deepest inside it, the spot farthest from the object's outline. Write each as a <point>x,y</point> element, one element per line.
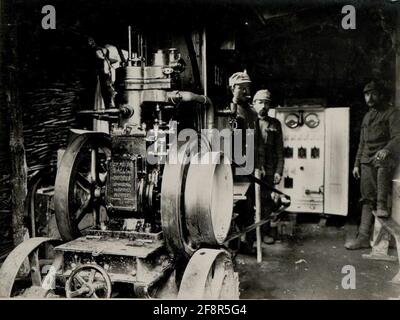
<point>376,185</point>
<point>376,188</point>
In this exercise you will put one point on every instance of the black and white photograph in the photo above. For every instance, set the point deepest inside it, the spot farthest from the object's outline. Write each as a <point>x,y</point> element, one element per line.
<point>176,150</point>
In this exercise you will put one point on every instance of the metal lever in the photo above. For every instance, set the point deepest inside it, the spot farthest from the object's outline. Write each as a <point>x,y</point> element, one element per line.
<point>320,191</point>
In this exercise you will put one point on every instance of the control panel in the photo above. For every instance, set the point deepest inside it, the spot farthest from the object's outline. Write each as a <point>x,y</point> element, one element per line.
<point>316,143</point>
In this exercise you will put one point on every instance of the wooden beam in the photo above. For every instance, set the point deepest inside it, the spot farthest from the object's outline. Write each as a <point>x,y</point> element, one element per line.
<point>13,105</point>
<point>397,49</point>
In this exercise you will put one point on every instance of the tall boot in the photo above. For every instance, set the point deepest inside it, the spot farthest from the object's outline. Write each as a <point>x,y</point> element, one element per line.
<point>362,240</point>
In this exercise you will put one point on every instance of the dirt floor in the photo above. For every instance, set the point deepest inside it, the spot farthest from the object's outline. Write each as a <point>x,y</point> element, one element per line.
<point>309,266</point>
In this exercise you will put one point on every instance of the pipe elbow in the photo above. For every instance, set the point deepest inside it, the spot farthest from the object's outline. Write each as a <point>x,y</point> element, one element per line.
<point>186,96</point>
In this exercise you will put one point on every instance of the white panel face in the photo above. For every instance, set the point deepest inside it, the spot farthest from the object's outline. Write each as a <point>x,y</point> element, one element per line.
<point>336,161</point>
<point>303,175</point>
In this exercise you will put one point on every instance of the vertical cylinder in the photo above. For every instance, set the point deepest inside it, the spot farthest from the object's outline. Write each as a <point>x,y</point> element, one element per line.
<point>396,200</point>
<point>258,215</point>
<point>129,46</point>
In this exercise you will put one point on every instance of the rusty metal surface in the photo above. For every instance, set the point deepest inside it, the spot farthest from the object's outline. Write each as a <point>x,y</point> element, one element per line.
<point>132,235</point>
<point>14,261</point>
<point>209,275</point>
<point>110,246</point>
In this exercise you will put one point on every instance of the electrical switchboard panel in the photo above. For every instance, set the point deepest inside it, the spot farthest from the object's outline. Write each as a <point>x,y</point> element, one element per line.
<point>316,152</point>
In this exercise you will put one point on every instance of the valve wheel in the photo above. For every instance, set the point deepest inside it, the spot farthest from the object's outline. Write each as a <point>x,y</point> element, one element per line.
<point>209,275</point>
<point>88,281</point>
<point>80,184</point>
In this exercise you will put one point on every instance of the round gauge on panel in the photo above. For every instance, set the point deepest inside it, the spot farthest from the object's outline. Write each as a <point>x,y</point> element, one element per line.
<point>292,120</point>
<point>311,120</point>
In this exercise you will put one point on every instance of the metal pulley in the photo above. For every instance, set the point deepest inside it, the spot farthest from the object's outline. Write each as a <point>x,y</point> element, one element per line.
<point>210,275</point>
<point>209,198</point>
<point>172,196</point>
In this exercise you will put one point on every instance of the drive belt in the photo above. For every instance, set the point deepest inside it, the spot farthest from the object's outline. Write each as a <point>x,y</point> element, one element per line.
<point>262,183</point>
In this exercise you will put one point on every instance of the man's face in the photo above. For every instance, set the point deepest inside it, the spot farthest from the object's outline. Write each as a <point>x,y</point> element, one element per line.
<point>261,106</point>
<point>372,98</point>
<point>241,93</point>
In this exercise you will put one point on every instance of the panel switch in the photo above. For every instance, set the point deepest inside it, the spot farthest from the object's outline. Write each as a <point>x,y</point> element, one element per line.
<point>302,153</point>
<point>314,153</point>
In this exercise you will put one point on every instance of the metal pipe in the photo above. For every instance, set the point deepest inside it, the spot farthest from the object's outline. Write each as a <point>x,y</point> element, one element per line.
<point>204,60</point>
<point>129,46</point>
<point>258,215</point>
<point>396,196</point>
<point>204,65</point>
<point>141,49</point>
<point>176,97</point>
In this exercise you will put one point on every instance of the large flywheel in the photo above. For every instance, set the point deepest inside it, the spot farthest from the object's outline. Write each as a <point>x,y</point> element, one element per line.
<point>172,196</point>
<point>196,199</point>
<point>23,264</point>
<point>80,184</point>
<point>210,275</point>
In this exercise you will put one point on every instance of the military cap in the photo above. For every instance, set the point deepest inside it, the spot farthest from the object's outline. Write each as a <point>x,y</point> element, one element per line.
<point>373,85</point>
<point>262,95</point>
<point>238,78</point>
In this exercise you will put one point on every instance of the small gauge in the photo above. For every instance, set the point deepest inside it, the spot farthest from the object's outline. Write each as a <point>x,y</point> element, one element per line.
<point>292,120</point>
<point>312,120</point>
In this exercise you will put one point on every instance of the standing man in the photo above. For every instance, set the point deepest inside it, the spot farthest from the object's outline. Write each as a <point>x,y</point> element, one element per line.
<point>243,117</point>
<point>243,122</point>
<point>269,155</point>
<point>376,158</point>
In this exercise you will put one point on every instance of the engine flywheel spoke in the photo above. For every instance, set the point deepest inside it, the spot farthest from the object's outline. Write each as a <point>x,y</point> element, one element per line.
<point>83,182</point>
<point>82,210</point>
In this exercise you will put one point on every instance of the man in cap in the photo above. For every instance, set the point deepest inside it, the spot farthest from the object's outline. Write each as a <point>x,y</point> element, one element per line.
<point>377,155</point>
<point>243,117</point>
<point>269,154</point>
<point>239,84</point>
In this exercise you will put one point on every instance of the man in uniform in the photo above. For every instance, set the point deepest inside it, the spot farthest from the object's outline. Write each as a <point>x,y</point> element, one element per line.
<point>243,117</point>
<point>269,154</point>
<point>376,158</point>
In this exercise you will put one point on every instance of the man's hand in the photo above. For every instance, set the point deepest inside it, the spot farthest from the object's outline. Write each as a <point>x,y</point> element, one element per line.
<point>263,173</point>
<point>356,173</point>
<point>277,178</point>
<point>381,155</point>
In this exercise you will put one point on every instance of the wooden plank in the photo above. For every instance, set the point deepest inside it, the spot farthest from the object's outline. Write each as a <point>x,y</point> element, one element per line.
<point>390,226</point>
<point>397,67</point>
<point>17,150</point>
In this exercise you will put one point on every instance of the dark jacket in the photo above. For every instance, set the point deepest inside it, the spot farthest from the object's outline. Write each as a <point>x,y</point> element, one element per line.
<point>269,145</point>
<point>246,118</point>
<point>380,129</point>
